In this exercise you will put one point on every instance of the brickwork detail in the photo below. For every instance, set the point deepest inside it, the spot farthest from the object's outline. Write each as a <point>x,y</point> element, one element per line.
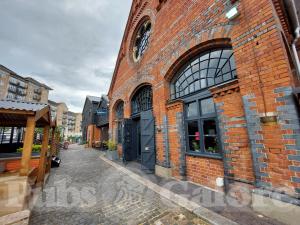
<point>182,140</point>
<point>254,152</point>
<point>288,118</point>
<point>255,137</point>
<point>166,142</point>
<point>173,110</point>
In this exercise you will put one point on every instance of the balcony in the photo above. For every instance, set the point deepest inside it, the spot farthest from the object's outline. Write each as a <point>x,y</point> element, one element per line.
<point>12,89</point>
<point>21,92</point>
<point>18,84</point>
<point>23,85</point>
<point>36,98</point>
<point>37,91</point>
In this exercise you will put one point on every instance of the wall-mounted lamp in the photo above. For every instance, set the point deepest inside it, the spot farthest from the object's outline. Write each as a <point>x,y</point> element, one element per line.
<point>232,13</point>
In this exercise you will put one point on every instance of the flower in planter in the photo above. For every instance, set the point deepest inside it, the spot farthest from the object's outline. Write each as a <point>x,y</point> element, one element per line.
<point>35,148</point>
<point>112,146</point>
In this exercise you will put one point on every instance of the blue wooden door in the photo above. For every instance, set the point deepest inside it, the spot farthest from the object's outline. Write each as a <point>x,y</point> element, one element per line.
<point>148,154</point>
<point>128,147</point>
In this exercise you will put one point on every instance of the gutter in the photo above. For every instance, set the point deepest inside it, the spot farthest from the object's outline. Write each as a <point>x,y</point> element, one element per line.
<point>292,12</point>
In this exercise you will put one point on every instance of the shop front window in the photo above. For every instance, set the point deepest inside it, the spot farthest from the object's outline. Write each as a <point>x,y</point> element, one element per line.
<point>202,128</point>
<point>191,83</point>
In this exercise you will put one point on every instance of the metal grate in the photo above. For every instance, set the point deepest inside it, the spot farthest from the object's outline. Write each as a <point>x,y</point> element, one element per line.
<point>120,111</point>
<point>142,100</point>
<point>142,40</point>
<point>206,70</point>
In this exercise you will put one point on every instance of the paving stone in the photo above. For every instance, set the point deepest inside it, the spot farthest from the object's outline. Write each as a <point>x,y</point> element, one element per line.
<point>89,191</point>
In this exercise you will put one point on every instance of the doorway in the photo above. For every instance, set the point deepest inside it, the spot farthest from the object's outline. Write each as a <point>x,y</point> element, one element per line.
<point>137,135</point>
<point>139,140</point>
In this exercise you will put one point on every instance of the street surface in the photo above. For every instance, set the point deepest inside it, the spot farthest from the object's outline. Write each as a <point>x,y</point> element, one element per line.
<point>85,190</point>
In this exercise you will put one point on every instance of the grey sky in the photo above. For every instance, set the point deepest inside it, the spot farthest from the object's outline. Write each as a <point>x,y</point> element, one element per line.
<point>71,45</point>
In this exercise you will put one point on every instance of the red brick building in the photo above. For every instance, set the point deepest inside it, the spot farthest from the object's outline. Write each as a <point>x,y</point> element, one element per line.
<point>207,91</point>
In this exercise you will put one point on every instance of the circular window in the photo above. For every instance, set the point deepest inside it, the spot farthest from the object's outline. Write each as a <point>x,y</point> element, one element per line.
<point>141,40</point>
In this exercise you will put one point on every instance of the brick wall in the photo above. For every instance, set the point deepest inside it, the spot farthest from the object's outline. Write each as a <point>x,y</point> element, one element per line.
<point>15,164</point>
<point>181,29</point>
<point>94,134</point>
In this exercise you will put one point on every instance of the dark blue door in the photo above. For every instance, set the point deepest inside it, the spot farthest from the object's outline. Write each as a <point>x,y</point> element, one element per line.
<point>129,152</point>
<point>148,154</point>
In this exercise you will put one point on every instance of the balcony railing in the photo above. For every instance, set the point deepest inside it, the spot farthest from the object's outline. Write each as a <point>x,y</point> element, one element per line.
<point>36,97</point>
<point>23,85</point>
<point>12,89</point>
<point>37,91</point>
<point>21,92</point>
<point>18,83</point>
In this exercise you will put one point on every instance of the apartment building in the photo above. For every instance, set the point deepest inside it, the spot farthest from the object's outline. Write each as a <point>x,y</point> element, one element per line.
<point>16,87</point>
<point>74,124</point>
<point>68,121</point>
<point>59,112</point>
<point>78,124</point>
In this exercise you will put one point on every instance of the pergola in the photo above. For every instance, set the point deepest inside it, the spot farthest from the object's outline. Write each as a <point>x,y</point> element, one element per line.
<point>29,115</point>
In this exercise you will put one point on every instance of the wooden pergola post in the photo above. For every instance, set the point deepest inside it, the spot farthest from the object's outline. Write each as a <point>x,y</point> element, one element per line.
<point>52,149</point>
<point>27,148</point>
<point>43,155</point>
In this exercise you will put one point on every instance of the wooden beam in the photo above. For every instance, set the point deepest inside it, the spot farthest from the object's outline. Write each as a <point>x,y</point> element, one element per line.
<point>27,148</point>
<point>43,156</point>
<point>52,149</point>
<point>15,111</point>
<point>41,113</point>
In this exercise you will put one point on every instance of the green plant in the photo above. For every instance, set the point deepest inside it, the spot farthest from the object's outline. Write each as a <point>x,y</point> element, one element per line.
<point>212,149</point>
<point>35,148</point>
<point>112,146</point>
<point>196,146</point>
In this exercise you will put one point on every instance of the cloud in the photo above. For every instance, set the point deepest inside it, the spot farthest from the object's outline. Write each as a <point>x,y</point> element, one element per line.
<point>71,45</point>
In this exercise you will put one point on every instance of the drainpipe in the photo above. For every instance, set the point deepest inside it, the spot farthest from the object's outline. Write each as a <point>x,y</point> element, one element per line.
<point>297,37</point>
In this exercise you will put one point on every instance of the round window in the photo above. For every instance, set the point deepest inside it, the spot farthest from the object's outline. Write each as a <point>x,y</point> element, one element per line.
<point>141,40</point>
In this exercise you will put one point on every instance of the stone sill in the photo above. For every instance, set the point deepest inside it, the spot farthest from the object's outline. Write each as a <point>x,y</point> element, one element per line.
<point>202,155</point>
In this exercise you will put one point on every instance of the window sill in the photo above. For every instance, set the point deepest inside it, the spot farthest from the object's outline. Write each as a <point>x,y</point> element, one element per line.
<point>203,155</point>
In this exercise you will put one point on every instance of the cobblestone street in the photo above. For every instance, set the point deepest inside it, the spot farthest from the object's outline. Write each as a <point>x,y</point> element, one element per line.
<point>86,190</point>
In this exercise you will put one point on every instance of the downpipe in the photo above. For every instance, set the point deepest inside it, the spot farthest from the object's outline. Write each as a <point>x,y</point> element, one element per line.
<point>297,37</point>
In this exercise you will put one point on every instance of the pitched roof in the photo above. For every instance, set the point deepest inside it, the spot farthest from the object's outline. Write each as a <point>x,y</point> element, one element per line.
<point>22,105</point>
<point>93,98</point>
<point>28,79</point>
<point>7,70</point>
<point>16,113</point>
<point>34,81</point>
<point>53,103</point>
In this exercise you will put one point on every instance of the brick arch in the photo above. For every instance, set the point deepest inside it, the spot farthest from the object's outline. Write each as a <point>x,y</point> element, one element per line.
<point>147,14</point>
<point>192,52</point>
<point>135,89</point>
<point>114,105</point>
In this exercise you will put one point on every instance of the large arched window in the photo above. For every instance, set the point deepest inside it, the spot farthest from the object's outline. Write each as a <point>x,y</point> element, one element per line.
<point>191,84</point>
<point>205,70</point>
<point>119,112</point>
<point>142,100</point>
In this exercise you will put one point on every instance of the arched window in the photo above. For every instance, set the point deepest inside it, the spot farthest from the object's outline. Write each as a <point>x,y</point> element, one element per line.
<point>205,70</point>
<point>119,116</point>
<point>142,100</point>
<point>120,111</point>
<point>141,40</point>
